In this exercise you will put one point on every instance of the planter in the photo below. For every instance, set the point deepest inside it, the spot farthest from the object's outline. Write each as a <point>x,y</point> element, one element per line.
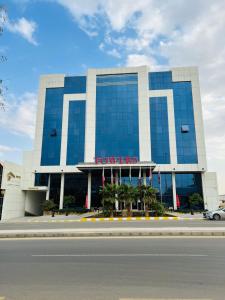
<point>47,213</point>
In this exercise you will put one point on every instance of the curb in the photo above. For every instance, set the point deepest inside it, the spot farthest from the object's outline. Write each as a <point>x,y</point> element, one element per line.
<point>112,234</point>
<point>112,219</point>
<point>137,219</point>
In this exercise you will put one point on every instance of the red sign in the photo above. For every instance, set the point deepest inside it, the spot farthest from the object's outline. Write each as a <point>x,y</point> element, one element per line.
<point>116,160</point>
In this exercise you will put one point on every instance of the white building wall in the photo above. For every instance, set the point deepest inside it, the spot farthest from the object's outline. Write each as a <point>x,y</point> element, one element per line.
<point>27,174</point>
<point>33,201</point>
<point>210,190</point>
<point>13,201</point>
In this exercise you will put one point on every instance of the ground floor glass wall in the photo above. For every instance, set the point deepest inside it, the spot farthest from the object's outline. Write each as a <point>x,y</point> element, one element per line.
<point>76,185</point>
<point>186,185</point>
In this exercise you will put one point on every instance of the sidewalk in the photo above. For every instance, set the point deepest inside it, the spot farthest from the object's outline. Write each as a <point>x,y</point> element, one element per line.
<point>114,232</point>
<point>49,218</point>
<point>196,216</point>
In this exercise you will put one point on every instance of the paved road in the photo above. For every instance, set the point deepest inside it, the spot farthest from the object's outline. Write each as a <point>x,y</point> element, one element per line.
<point>113,269</point>
<point>136,224</point>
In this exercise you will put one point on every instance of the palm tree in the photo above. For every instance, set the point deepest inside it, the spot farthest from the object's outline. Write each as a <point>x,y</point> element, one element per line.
<point>141,189</point>
<point>127,194</point>
<point>108,193</point>
<point>149,197</point>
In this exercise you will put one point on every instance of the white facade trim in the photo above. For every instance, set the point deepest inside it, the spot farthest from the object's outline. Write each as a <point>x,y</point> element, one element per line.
<point>90,117</point>
<point>143,115</point>
<point>191,74</point>
<point>174,191</point>
<point>65,119</point>
<point>171,122</point>
<point>61,200</point>
<point>46,81</point>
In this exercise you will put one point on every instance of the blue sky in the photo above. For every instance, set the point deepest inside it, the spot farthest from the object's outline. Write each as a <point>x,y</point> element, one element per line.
<point>69,36</point>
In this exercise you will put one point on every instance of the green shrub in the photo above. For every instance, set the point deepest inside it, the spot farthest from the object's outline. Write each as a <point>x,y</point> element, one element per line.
<point>195,200</point>
<point>48,205</point>
<point>158,208</point>
<point>68,200</point>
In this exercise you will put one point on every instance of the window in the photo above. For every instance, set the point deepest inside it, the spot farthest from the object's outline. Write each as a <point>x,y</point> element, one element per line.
<point>184,128</point>
<point>160,148</point>
<point>117,132</point>
<point>52,128</point>
<point>76,132</point>
<point>183,112</point>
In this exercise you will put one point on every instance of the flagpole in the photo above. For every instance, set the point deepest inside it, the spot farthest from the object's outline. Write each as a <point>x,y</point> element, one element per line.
<point>111,175</point>
<point>103,177</point>
<point>130,175</point>
<point>150,176</point>
<point>120,176</point>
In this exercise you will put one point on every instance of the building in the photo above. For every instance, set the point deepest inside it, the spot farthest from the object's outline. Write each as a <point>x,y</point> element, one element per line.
<point>123,124</point>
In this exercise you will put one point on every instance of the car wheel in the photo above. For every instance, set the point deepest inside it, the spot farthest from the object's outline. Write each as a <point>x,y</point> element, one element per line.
<point>216,217</point>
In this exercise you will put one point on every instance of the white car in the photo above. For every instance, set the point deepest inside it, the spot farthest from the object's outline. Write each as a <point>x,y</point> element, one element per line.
<point>217,215</point>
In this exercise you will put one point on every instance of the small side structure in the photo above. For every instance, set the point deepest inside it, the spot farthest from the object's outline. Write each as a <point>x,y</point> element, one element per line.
<point>19,196</point>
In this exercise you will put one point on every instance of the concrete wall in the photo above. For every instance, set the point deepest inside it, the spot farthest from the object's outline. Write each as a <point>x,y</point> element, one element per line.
<point>33,202</point>
<point>13,201</point>
<point>27,171</point>
<point>210,190</point>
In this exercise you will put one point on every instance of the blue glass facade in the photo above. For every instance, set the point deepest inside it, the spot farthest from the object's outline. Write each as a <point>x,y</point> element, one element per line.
<point>76,132</point>
<point>117,130</point>
<point>52,129</point>
<point>184,115</point>
<point>160,148</point>
<point>165,182</point>
<point>75,85</point>
<point>41,179</point>
<point>186,185</point>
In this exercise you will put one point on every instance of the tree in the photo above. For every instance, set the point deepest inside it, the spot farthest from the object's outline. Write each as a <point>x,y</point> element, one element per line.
<point>48,205</point>
<point>108,193</point>
<point>195,200</point>
<point>127,194</point>
<point>158,208</point>
<point>68,200</point>
<point>149,198</point>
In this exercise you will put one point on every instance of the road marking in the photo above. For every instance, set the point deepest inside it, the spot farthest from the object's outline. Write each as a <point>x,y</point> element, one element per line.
<point>164,299</point>
<point>122,255</point>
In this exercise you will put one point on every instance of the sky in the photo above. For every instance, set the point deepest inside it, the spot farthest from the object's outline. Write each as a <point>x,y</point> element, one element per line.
<point>70,36</point>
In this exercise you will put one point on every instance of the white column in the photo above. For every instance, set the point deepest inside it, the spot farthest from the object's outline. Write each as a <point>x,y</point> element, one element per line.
<point>144,176</point>
<point>89,190</point>
<point>174,191</point>
<point>144,115</point>
<point>117,182</point>
<point>62,191</point>
<point>90,121</point>
<point>49,185</point>
<point>145,182</point>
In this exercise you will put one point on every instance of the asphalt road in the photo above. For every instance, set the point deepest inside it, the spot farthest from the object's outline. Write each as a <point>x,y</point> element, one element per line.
<point>137,268</point>
<point>107,224</point>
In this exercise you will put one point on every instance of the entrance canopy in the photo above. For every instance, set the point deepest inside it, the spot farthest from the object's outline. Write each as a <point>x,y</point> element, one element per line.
<point>144,165</point>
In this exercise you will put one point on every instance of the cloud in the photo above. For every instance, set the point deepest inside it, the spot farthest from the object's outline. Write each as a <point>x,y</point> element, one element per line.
<point>140,60</point>
<point>5,149</point>
<point>25,28</point>
<point>168,34</point>
<point>20,113</point>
